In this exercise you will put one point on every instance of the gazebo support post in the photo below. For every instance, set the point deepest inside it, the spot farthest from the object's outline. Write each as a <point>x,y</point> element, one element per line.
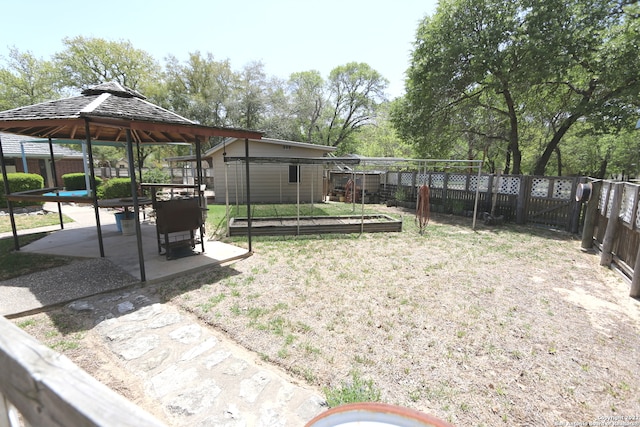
<point>200,189</point>
<point>91,187</point>
<point>246,159</point>
<point>55,181</point>
<point>136,206</point>
<point>7,191</point>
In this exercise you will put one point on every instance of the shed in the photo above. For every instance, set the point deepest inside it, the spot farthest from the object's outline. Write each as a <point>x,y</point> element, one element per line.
<point>273,181</point>
<point>26,154</point>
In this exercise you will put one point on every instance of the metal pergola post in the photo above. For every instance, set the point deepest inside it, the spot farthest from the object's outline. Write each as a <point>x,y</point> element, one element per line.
<point>91,187</point>
<point>136,206</point>
<point>55,181</point>
<point>7,191</point>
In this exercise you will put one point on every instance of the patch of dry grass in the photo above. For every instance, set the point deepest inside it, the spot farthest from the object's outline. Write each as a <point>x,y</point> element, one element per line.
<point>501,326</point>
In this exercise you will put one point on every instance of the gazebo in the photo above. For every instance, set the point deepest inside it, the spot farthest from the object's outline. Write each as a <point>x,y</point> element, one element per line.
<point>105,112</point>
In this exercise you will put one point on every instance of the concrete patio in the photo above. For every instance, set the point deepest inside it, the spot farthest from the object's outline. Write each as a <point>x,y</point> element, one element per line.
<point>91,274</point>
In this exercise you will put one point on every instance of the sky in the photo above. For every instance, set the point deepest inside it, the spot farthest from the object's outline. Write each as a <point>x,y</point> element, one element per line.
<point>287,36</point>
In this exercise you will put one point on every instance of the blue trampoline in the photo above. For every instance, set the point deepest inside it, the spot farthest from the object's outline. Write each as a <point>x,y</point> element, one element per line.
<point>69,193</point>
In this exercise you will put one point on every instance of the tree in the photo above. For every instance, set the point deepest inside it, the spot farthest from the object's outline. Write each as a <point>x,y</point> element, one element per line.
<point>595,53</point>
<point>380,139</point>
<point>201,88</point>
<point>529,64</point>
<point>249,102</point>
<point>307,98</point>
<point>89,61</point>
<point>355,89</point>
<point>26,80</point>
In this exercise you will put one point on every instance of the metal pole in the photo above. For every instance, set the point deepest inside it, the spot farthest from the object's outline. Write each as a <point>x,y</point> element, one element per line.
<point>90,183</point>
<point>226,188</point>
<point>200,190</point>
<point>475,205</point>
<point>7,191</point>
<point>55,181</point>
<point>246,160</point>
<point>25,166</point>
<point>136,206</point>
<point>298,197</point>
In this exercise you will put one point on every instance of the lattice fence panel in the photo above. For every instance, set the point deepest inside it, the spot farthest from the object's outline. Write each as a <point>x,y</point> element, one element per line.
<point>562,189</point>
<point>422,179</point>
<point>540,187</point>
<point>437,180</point>
<point>628,203</point>
<point>604,194</point>
<point>509,185</point>
<point>406,178</point>
<point>484,183</point>
<point>612,194</point>
<point>457,182</point>
<point>638,216</point>
<point>392,178</point>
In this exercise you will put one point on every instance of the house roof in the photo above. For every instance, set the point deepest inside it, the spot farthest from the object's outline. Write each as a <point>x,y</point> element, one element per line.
<point>106,111</point>
<point>12,146</point>
<point>278,142</point>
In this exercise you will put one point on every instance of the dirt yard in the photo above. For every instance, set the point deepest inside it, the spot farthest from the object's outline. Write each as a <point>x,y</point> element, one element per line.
<point>499,326</point>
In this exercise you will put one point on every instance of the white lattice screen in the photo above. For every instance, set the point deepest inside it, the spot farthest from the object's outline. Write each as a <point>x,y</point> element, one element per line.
<point>392,178</point>
<point>628,203</point>
<point>457,182</point>
<point>562,189</point>
<point>406,178</point>
<point>540,187</point>
<point>437,180</point>
<point>509,185</point>
<point>484,183</point>
<point>422,179</point>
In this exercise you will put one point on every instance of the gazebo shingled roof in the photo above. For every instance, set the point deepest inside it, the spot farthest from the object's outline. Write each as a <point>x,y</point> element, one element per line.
<point>108,109</point>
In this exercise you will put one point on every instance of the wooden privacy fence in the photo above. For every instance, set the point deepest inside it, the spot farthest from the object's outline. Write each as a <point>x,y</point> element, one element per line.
<point>547,201</point>
<point>612,225</point>
<point>39,387</point>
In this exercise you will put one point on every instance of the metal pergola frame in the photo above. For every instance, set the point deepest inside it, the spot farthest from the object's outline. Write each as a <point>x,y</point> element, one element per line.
<point>364,162</point>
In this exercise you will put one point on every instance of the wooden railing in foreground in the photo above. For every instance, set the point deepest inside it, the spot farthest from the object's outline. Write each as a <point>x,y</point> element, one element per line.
<point>40,387</point>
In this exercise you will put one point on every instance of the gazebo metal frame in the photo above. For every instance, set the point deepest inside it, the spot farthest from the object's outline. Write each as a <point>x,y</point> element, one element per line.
<point>105,112</point>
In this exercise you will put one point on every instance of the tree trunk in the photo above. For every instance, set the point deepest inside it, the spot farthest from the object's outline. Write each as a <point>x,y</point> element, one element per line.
<point>603,169</point>
<point>514,146</point>
<point>559,161</point>
<point>541,164</point>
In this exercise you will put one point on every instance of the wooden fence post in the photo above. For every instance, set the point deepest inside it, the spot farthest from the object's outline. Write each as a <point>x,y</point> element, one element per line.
<point>609,235</point>
<point>635,280</point>
<point>590,216</point>
<point>521,201</point>
<point>445,185</point>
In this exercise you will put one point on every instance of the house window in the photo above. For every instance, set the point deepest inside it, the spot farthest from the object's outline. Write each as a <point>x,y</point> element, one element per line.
<point>294,174</point>
<point>286,147</point>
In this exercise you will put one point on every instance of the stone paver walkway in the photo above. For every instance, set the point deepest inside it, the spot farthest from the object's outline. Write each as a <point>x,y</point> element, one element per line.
<point>199,376</point>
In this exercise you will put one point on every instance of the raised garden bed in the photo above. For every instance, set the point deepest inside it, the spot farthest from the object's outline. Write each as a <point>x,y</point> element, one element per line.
<point>343,224</point>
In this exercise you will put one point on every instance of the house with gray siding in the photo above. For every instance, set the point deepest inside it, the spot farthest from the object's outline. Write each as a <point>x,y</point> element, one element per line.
<point>278,172</point>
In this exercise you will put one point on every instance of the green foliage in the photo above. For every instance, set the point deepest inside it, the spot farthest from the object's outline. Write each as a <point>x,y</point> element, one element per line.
<point>156,176</point>
<point>358,390</point>
<point>115,188</point>
<point>88,60</point>
<point>355,90</point>
<point>76,181</point>
<point>401,194</point>
<point>380,139</point>
<point>21,182</point>
<point>27,80</point>
<point>506,82</point>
